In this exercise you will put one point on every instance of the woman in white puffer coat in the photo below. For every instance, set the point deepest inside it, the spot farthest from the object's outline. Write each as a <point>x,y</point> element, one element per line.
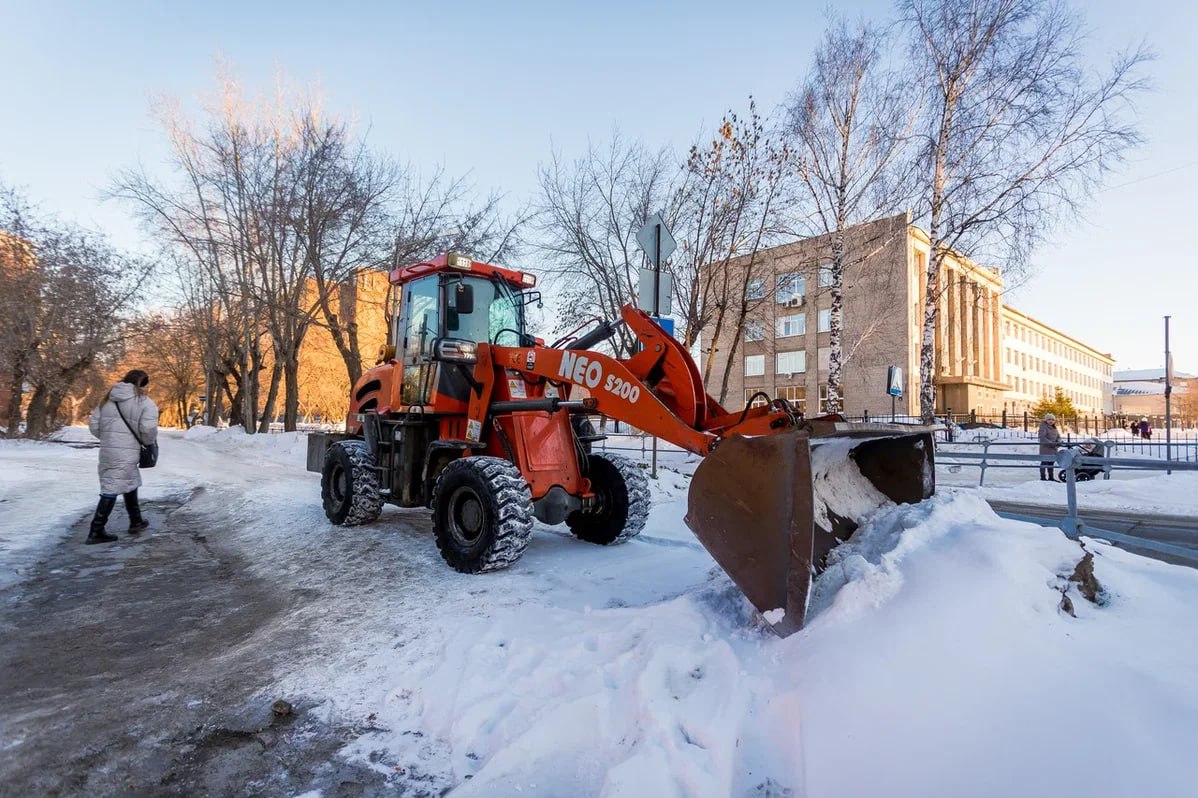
<point>120,450</point>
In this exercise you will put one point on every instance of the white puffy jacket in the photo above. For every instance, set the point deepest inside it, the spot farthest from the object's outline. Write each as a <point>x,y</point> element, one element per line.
<point>119,450</point>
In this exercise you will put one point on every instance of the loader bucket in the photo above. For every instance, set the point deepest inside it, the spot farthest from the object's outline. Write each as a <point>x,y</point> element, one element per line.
<point>769,508</point>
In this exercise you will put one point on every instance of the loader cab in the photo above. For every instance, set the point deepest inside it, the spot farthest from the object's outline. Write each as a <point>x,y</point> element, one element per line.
<point>442,316</point>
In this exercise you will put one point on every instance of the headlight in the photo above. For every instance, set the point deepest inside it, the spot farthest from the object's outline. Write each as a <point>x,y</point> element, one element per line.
<point>455,350</point>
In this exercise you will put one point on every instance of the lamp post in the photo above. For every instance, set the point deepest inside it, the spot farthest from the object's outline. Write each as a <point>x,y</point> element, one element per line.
<point>1168,400</point>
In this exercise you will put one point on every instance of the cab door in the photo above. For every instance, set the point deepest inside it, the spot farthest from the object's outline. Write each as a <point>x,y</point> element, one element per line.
<point>420,325</point>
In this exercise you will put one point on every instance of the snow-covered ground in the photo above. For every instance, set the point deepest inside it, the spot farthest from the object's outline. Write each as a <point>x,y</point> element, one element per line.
<point>937,660</point>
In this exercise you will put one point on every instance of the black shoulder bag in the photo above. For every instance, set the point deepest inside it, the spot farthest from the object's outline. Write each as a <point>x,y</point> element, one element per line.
<point>148,457</point>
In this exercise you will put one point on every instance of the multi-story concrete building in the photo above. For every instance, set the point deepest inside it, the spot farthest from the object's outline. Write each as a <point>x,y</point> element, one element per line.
<point>990,357</point>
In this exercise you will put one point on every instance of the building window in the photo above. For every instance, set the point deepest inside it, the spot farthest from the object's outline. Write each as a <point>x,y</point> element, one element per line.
<point>755,289</point>
<point>791,362</point>
<point>795,324</point>
<point>823,398</point>
<point>825,276</point>
<point>794,394</point>
<point>754,365</point>
<point>757,401</point>
<point>825,320</point>
<point>754,330</point>
<point>790,287</point>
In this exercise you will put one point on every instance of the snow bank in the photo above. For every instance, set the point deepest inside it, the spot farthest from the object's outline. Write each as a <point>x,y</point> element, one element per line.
<point>1138,492</point>
<point>936,662</point>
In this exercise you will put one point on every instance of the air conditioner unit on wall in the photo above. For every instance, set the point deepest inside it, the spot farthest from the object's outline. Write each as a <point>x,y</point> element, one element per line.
<point>794,302</point>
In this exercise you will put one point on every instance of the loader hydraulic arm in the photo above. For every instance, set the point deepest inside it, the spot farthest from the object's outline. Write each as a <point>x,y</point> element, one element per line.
<point>616,391</point>
<point>657,390</point>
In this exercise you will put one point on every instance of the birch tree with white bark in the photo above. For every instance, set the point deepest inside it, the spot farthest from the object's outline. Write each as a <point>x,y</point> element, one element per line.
<point>1018,131</point>
<point>848,127</point>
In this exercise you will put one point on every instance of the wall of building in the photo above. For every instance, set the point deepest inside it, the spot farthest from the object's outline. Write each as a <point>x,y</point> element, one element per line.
<point>786,335</point>
<point>1039,359</point>
<point>989,356</point>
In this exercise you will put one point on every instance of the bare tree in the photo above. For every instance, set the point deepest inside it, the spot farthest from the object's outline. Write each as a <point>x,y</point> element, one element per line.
<point>749,171</point>
<point>1017,131</point>
<point>848,127</point>
<point>167,346</point>
<point>587,218</point>
<point>64,297</point>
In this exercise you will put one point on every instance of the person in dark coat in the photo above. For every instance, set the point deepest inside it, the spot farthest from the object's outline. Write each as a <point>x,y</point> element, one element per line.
<point>1145,429</point>
<point>1050,442</point>
<point>120,450</point>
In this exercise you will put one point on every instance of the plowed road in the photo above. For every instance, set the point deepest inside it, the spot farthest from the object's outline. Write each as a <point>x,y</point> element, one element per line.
<point>1171,538</point>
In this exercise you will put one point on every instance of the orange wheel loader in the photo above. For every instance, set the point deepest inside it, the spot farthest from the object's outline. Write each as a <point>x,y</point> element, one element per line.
<point>471,416</point>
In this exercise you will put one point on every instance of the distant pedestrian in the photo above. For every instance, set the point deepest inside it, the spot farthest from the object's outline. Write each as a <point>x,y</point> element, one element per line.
<point>124,422</point>
<point>1050,442</point>
<point>1134,428</point>
<point>1145,429</point>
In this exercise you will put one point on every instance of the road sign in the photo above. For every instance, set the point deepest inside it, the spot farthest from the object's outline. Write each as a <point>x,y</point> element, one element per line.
<point>894,381</point>
<point>644,299</point>
<point>658,250</point>
<point>666,324</point>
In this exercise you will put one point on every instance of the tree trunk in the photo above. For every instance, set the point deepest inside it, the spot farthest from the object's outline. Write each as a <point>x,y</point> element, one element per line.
<point>291,392</point>
<point>931,302</point>
<point>236,403</point>
<point>835,326</point>
<point>12,413</point>
<point>54,407</point>
<point>35,420</point>
<point>732,347</point>
<point>272,396</point>
<point>716,328</point>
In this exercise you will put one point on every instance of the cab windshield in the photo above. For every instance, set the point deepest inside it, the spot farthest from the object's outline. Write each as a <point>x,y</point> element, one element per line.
<point>495,314</point>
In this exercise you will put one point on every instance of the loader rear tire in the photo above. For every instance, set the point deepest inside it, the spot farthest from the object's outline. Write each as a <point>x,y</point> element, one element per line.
<point>622,502</point>
<point>349,484</point>
<point>482,514</point>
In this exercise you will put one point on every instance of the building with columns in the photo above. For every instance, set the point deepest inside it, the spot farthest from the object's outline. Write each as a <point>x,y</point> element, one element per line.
<point>990,357</point>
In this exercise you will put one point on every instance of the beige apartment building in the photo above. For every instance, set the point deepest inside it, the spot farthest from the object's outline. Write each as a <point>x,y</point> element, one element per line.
<point>990,357</point>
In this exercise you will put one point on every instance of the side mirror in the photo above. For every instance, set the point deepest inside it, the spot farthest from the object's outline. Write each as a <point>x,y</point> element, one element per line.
<point>461,298</point>
<point>455,350</point>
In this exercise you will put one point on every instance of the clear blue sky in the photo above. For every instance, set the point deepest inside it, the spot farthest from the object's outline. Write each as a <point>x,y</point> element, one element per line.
<point>488,88</point>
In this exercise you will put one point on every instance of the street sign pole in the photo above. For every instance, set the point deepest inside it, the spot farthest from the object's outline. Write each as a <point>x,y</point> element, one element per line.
<point>656,241</point>
<point>657,270</point>
<point>656,311</point>
<point>1168,400</point>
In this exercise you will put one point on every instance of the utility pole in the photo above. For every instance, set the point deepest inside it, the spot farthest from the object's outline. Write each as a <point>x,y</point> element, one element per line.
<point>1168,400</point>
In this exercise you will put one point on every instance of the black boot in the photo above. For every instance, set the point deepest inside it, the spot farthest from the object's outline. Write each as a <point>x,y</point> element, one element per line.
<point>136,522</point>
<point>97,534</point>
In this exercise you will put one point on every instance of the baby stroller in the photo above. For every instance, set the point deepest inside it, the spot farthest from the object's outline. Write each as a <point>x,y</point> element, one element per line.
<point>1091,448</point>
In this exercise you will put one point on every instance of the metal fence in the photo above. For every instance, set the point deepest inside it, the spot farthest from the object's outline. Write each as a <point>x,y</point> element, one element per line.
<point>1001,454</point>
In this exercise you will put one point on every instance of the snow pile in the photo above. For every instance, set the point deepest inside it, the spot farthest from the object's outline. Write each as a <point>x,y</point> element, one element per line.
<point>839,485</point>
<point>936,661</point>
<point>278,447</point>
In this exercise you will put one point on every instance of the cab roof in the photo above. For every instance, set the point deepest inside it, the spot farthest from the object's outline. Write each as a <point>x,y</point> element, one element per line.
<point>460,264</point>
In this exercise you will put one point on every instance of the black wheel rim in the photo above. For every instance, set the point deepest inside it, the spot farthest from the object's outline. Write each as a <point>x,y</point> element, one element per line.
<point>339,484</point>
<point>467,518</point>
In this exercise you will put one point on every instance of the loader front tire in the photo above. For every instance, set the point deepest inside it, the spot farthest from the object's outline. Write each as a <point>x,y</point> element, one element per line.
<point>349,484</point>
<point>621,502</point>
<point>482,514</point>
